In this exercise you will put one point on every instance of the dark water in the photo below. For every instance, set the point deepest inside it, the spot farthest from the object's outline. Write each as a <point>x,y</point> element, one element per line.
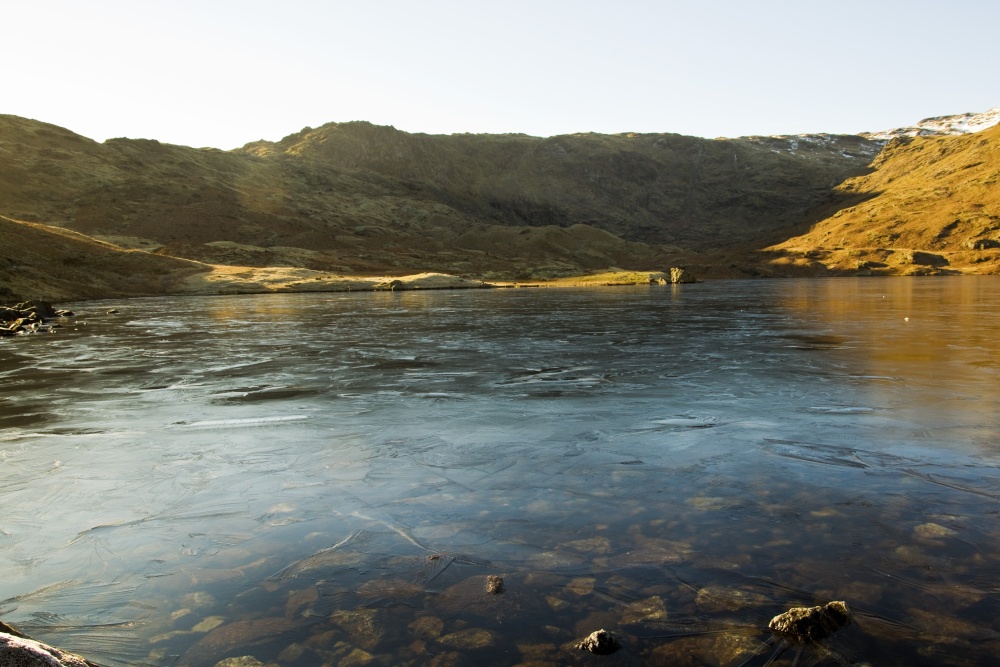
<point>329,479</point>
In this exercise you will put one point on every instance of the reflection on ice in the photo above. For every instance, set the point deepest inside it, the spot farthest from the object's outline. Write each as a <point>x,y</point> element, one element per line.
<point>250,421</point>
<point>675,465</point>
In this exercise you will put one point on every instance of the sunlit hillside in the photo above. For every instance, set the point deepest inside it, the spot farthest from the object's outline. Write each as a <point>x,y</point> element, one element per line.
<point>931,205</point>
<point>356,199</point>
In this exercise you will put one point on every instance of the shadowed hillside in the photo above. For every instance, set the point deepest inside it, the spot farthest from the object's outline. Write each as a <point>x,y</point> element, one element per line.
<point>360,199</point>
<point>652,188</point>
<point>354,197</point>
<point>42,262</point>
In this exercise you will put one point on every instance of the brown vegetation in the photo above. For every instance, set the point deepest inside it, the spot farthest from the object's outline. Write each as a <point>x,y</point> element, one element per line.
<point>930,206</point>
<point>353,199</point>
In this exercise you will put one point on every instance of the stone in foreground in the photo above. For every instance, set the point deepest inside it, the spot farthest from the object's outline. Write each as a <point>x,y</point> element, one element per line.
<point>23,652</point>
<point>813,622</point>
<point>600,642</point>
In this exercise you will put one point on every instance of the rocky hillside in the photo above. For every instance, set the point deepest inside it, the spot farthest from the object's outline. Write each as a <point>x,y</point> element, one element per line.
<point>48,263</point>
<point>931,205</point>
<point>355,198</point>
<point>964,123</point>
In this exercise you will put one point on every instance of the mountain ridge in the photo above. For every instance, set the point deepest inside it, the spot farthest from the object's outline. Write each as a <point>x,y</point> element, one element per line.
<point>357,198</point>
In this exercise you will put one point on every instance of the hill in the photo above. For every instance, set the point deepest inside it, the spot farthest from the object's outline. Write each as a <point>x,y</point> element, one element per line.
<point>359,199</point>
<point>41,262</point>
<point>931,205</point>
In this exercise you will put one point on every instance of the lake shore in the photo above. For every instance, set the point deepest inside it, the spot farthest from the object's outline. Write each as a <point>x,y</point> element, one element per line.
<point>263,280</point>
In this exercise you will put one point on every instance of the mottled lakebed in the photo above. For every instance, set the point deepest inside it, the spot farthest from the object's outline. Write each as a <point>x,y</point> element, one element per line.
<point>330,478</point>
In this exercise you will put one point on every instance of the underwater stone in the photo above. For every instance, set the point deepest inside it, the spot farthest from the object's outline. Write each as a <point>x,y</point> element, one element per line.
<point>472,639</point>
<point>242,661</point>
<point>364,626</point>
<point>226,639</point>
<point>600,642</point>
<point>644,611</point>
<point>427,626</point>
<point>813,622</point>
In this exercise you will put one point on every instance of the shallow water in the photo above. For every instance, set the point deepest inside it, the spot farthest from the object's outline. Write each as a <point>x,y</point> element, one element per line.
<point>329,478</point>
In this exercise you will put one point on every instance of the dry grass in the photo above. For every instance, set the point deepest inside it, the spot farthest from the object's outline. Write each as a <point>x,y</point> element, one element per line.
<point>928,196</point>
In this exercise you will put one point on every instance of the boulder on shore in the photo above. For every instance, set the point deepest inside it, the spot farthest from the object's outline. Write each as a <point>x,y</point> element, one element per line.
<point>28,317</point>
<point>17,650</point>
<point>679,275</point>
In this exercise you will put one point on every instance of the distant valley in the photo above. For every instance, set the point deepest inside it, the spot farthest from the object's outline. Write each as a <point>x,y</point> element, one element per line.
<point>81,219</point>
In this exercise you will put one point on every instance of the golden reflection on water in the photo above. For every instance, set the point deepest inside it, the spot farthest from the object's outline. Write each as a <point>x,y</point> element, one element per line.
<point>290,306</point>
<point>915,344</point>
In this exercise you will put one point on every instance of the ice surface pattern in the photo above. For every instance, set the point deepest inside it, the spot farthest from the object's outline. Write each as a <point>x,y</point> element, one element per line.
<point>762,444</point>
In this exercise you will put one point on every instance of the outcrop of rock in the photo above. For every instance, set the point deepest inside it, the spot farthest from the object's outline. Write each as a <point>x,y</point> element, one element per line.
<point>364,199</point>
<point>360,199</point>
<point>813,623</point>
<point>29,317</point>
<point>679,275</point>
<point>931,205</point>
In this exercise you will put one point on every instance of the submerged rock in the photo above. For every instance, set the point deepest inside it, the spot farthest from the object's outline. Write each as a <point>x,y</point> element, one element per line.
<point>242,661</point>
<point>600,642</point>
<point>816,622</point>
<point>365,627</point>
<point>231,637</point>
<point>644,611</point>
<point>472,639</point>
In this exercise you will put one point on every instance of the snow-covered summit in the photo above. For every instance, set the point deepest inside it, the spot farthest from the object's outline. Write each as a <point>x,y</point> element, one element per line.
<point>965,123</point>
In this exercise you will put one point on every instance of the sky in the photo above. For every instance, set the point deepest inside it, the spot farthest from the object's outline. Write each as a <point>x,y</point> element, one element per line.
<point>222,73</point>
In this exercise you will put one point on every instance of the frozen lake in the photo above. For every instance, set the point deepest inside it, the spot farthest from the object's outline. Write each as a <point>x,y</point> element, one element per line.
<point>329,478</point>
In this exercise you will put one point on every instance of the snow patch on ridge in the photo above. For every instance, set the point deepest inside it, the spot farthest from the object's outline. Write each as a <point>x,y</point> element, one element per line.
<point>965,123</point>
<point>842,145</point>
<point>869,144</point>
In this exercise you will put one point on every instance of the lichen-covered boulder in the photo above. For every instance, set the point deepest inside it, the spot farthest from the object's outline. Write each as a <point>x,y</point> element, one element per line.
<point>813,622</point>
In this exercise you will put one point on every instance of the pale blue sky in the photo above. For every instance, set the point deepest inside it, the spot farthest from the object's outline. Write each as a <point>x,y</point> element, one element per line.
<point>223,73</point>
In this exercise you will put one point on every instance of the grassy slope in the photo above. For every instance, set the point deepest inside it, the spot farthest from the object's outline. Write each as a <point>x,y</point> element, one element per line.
<point>931,205</point>
<point>42,262</point>
<point>359,198</point>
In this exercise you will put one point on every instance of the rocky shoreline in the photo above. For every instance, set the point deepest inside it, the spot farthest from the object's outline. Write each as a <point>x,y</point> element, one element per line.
<point>19,650</point>
<point>797,627</point>
<point>29,317</point>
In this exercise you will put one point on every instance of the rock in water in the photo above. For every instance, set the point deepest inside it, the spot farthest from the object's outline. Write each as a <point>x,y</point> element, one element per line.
<point>23,652</point>
<point>600,642</point>
<point>680,275</point>
<point>813,622</point>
